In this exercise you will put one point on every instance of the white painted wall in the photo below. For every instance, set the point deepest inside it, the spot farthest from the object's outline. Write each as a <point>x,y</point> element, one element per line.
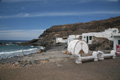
<point>85,35</point>
<point>105,34</point>
<point>116,37</point>
<point>72,37</point>
<point>61,40</point>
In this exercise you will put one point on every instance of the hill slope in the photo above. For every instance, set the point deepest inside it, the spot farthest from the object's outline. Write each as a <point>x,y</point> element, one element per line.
<point>49,35</point>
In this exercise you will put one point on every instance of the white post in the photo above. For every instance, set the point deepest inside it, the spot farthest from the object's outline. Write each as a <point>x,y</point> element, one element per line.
<point>23,52</point>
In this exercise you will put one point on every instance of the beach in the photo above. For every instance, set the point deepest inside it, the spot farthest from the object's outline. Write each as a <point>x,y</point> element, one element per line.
<point>54,64</point>
<point>59,39</point>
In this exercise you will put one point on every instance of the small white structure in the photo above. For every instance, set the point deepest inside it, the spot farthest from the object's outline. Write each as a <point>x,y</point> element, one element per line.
<point>88,37</point>
<point>101,55</point>
<point>72,37</point>
<point>116,39</point>
<point>76,46</point>
<point>79,47</point>
<point>61,40</point>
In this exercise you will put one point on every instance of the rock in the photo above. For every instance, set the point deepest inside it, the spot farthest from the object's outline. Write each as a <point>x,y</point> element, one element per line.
<point>72,57</point>
<point>59,65</point>
<point>32,62</point>
<point>16,63</point>
<point>101,44</point>
<point>52,60</point>
<point>57,59</point>
<point>39,51</point>
<point>44,61</point>
<point>2,44</point>
<point>24,64</point>
<point>64,59</point>
<point>66,52</point>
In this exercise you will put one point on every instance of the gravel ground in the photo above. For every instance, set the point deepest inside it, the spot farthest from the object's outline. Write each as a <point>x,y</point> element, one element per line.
<point>109,69</point>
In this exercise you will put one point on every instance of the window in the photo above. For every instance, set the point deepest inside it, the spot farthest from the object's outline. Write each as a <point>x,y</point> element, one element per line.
<point>118,41</point>
<point>114,31</point>
<point>90,37</point>
<point>87,39</point>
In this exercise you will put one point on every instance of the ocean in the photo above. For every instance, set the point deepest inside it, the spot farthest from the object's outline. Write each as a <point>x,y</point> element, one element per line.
<point>10,50</point>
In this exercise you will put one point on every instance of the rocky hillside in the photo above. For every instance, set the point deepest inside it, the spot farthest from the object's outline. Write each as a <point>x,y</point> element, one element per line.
<point>49,35</point>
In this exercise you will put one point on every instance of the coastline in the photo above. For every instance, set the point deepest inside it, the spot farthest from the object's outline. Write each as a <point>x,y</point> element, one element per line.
<point>37,58</point>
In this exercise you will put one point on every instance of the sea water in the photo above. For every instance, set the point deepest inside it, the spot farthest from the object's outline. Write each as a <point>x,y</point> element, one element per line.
<point>10,50</point>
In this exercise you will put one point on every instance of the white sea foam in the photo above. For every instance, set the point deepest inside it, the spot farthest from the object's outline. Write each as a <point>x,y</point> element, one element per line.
<point>32,46</point>
<point>10,54</point>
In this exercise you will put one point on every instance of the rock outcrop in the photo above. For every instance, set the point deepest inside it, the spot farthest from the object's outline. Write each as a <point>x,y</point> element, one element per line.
<point>2,44</point>
<point>101,44</point>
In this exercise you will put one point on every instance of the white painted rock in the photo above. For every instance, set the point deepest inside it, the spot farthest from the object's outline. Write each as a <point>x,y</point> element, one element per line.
<point>77,47</point>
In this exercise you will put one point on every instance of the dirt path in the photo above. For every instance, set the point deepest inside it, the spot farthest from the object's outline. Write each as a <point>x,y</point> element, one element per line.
<point>108,69</point>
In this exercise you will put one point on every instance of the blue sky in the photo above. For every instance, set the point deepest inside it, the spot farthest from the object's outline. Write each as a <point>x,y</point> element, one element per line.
<point>27,19</point>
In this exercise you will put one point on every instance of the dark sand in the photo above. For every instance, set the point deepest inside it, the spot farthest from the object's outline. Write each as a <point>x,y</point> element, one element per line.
<point>108,69</point>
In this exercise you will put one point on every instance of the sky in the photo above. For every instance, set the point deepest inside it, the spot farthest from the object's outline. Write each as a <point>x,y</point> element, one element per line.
<point>27,19</point>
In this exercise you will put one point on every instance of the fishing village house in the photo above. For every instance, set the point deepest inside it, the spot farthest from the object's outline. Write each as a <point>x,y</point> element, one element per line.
<point>116,44</point>
<point>61,40</point>
<point>88,37</point>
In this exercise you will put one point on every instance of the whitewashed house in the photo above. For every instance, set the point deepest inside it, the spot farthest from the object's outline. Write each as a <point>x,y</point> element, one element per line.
<point>88,37</point>
<point>61,40</point>
<point>116,39</point>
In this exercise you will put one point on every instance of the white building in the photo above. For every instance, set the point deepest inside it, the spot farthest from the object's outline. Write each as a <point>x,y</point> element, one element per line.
<point>116,39</point>
<point>61,40</point>
<point>88,37</point>
<point>72,37</point>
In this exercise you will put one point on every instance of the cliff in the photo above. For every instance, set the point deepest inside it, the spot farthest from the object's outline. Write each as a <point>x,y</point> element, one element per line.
<point>49,35</point>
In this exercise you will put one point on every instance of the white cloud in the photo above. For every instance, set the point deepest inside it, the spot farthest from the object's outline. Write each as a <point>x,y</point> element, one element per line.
<point>19,34</point>
<point>26,14</point>
<point>113,0</point>
<point>19,0</point>
<point>20,15</point>
<point>81,1</point>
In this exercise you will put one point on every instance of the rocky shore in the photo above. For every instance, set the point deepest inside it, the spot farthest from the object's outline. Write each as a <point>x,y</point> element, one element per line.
<point>2,44</point>
<point>55,53</point>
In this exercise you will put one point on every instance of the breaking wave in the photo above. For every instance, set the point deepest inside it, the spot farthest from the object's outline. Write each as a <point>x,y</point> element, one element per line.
<point>10,54</point>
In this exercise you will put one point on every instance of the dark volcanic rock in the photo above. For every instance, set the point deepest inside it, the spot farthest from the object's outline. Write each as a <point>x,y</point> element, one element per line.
<point>32,42</point>
<point>49,35</point>
<point>2,44</point>
<point>101,44</point>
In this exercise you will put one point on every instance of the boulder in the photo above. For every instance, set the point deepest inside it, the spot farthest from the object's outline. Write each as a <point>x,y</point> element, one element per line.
<point>101,44</point>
